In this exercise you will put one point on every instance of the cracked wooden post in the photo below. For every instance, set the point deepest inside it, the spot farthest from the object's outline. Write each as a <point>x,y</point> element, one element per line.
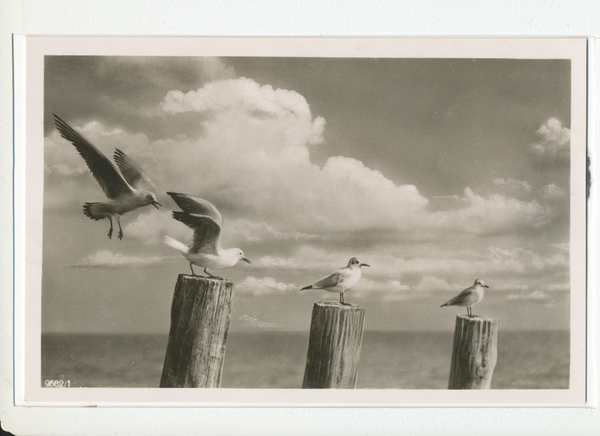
<point>474,353</point>
<point>200,316</point>
<point>334,343</point>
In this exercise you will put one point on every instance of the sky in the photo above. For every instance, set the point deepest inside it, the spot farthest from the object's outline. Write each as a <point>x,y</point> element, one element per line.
<point>435,172</point>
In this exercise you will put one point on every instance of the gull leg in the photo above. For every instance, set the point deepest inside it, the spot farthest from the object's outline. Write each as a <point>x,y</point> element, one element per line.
<point>211,276</point>
<point>193,273</point>
<point>120,230</point>
<point>342,298</point>
<point>111,228</point>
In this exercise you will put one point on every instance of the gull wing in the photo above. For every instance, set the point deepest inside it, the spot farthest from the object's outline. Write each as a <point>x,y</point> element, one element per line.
<point>103,170</point>
<point>331,280</point>
<point>197,206</point>
<point>132,171</point>
<point>206,230</point>
<point>461,298</point>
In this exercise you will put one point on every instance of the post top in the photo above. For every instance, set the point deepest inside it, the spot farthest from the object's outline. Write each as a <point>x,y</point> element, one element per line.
<point>476,318</point>
<point>202,278</point>
<point>338,305</point>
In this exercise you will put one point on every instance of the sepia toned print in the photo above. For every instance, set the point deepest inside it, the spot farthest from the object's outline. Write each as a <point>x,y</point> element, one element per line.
<point>450,178</point>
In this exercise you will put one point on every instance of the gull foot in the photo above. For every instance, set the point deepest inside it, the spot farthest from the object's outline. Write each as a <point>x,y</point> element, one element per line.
<point>120,235</point>
<point>110,234</point>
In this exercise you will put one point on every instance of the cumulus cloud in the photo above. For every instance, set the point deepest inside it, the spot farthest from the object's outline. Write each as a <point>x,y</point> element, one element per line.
<point>264,285</point>
<point>275,262</point>
<point>108,259</point>
<point>554,142</point>
<point>553,192</point>
<point>248,321</point>
<point>493,261</point>
<point>535,296</point>
<point>252,231</point>
<point>253,161</point>
<point>246,98</point>
<point>430,283</point>
<point>564,246</point>
<point>270,132</point>
<point>495,214</point>
<point>515,188</point>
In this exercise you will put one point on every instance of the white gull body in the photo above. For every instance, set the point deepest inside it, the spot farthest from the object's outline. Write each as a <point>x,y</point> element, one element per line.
<point>205,250</point>
<point>121,187</point>
<point>469,296</point>
<point>341,280</point>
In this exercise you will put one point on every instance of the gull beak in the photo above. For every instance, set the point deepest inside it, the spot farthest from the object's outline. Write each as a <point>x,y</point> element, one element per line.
<point>154,203</point>
<point>486,286</point>
<point>246,260</point>
<point>364,264</point>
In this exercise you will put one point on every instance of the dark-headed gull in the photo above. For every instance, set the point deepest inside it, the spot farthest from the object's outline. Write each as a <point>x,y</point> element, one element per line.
<point>468,297</point>
<point>205,250</point>
<point>120,187</point>
<point>341,280</point>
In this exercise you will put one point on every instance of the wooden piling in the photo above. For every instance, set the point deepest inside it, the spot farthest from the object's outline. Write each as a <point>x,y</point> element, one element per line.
<point>200,316</point>
<point>334,343</point>
<point>474,353</point>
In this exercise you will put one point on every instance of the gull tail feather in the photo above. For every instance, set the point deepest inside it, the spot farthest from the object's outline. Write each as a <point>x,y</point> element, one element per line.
<point>306,287</point>
<point>449,302</point>
<point>174,243</point>
<point>96,211</point>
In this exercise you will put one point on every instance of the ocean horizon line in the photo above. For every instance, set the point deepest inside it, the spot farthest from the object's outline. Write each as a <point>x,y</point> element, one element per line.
<point>293,331</point>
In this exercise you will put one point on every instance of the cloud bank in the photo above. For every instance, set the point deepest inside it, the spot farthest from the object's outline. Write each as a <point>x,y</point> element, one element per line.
<point>247,148</point>
<point>108,259</point>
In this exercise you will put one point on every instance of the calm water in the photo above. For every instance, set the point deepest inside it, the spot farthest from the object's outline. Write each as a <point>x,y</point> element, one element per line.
<point>397,360</point>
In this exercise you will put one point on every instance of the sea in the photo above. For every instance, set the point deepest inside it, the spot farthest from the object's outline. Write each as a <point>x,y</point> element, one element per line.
<point>268,360</point>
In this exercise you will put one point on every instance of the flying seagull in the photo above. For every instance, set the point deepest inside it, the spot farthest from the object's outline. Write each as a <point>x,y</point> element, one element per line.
<point>468,297</point>
<point>121,187</point>
<point>205,250</point>
<point>341,280</point>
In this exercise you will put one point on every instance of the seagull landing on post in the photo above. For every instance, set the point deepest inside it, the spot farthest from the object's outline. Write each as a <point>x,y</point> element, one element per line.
<point>341,280</point>
<point>468,297</point>
<point>205,250</point>
<point>120,187</point>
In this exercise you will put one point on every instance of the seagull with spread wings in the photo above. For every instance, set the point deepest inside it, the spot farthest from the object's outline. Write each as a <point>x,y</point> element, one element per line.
<point>341,280</point>
<point>121,187</point>
<point>205,250</point>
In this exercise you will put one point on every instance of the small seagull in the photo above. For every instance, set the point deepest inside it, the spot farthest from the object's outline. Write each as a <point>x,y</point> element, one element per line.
<point>468,297</point>
<point>205,250</point>
<point>120,187</point>
<point>341,280</point>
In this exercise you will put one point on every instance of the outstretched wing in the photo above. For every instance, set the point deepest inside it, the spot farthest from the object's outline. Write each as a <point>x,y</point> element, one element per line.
<point>330,281</point>
<point>197,206</point>
<point>206,230</point>
<point>132,171</point>
<point>103,170</point>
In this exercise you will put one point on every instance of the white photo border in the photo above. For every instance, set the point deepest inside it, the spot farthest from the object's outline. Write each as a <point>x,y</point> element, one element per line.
<point>29,197</point>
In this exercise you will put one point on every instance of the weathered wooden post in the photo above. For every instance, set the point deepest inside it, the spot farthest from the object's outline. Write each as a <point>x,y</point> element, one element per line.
<point>334,343</point>
<point>200,317</point>
<point>474,353</point>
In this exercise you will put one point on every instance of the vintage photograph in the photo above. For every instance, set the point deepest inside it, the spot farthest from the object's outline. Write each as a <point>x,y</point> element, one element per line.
<point>300,222</point>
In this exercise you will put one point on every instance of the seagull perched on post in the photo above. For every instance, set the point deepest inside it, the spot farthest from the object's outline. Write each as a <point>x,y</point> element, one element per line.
<point>341,280</point>
<point>121,187</point>
<point>468,297</point>
<point>205,250</point>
